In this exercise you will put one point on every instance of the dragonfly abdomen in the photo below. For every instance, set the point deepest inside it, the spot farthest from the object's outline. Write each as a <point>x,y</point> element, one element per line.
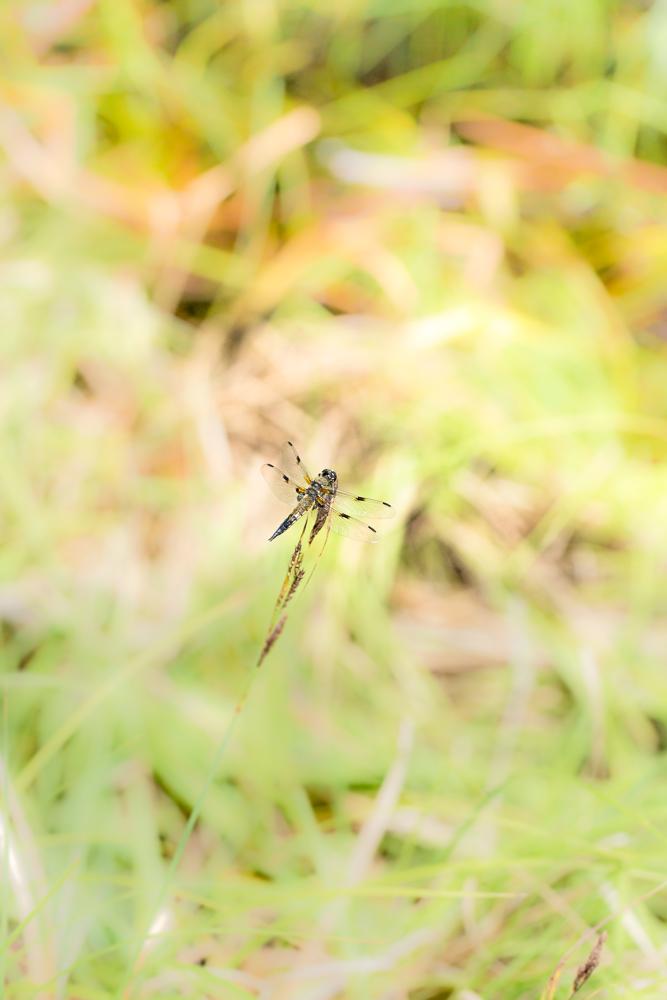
<point>301,508</point>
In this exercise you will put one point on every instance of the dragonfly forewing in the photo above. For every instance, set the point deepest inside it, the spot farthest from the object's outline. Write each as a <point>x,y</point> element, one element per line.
<point>292,463</point>
<point>362,507</point>
<point>281,485</point>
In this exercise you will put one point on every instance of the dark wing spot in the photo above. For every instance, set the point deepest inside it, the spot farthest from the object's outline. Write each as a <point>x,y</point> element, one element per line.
<point>270,466</point>
<point>386,504</point>
<point>298,459</point>
<point>346,516</point>
<point>286,478</point>
<point>290,444</point>
<point>360,498</point>
<point>371,529</point>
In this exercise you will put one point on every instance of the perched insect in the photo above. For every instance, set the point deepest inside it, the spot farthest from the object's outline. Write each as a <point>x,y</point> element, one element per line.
<point>342,512</point>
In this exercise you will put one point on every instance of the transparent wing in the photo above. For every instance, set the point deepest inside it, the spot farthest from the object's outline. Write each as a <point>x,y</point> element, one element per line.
<point>292,463</point>
<point>350,527</point>
<point>363,507</point>
<point>281,485</point>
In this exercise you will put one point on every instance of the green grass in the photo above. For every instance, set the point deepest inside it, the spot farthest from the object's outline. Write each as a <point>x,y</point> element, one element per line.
<point>427,241</point>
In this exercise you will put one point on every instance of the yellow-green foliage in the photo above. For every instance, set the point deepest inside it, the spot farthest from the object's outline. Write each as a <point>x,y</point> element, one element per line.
<point>427,241</point>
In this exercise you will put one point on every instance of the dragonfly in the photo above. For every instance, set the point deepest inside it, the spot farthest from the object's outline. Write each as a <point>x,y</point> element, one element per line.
<point>343,513</point>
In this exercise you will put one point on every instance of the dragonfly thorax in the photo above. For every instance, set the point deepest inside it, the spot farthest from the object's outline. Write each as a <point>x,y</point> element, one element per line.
<point>323,487</point>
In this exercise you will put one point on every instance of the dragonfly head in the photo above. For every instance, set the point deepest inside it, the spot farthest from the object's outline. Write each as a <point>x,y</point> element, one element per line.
<point>330,476</point>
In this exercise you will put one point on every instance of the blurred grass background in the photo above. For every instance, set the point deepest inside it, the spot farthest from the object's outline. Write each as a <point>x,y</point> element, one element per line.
<point>427,241</point>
